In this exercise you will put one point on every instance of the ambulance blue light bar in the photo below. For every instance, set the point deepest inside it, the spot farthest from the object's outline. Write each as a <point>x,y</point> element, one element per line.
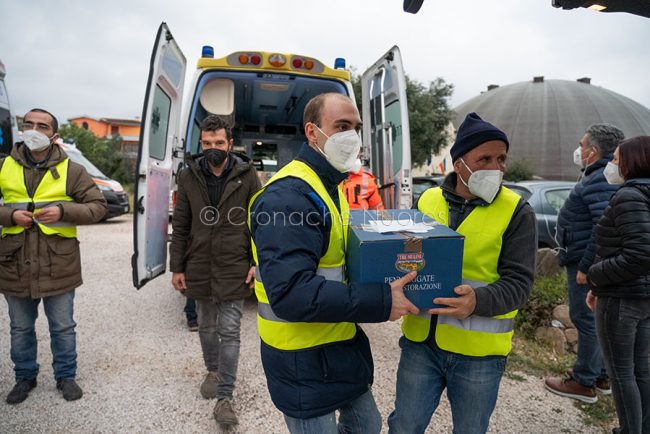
<point>339,63</point>
<point>207,51</point>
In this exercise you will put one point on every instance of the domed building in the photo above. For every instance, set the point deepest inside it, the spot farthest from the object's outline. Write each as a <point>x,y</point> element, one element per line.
<point>545,119</point>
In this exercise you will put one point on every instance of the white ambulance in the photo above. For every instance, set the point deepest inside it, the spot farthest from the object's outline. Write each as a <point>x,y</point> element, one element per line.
<point>263,94</point>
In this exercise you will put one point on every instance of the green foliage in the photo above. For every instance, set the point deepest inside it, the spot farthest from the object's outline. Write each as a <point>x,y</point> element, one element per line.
<point>547,293</point>
<point>519,170</point>
<point>102,152</point>
<point>602,413</point>
<point>356,87</point>
<point>536,358</point>
<point>429,115</point>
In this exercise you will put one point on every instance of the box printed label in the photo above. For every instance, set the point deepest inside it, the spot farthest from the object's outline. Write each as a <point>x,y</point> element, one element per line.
<point>407,262</point>
<point>422,282</point>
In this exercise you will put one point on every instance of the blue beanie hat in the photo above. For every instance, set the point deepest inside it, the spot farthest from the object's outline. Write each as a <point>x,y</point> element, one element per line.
<point>473,132</point>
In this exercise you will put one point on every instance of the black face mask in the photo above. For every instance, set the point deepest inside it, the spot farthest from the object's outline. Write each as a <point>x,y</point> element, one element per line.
<point>215,156</point>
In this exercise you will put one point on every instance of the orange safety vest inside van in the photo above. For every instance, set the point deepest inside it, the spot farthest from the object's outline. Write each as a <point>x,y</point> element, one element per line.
<point>361,191</point>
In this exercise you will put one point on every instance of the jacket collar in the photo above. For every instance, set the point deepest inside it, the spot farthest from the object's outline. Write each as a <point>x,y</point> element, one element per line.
<point>637,181</point>
<point>598,164</point>
<point>330,176</point>
<point>20,153</point>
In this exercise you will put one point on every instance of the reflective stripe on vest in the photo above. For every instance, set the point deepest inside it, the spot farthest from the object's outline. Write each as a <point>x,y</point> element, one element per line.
<point>286,335</point>
<point>50,191</point>
<point>34,205</point>
<point>264,309</point>
<point>333,273</point>
<point>364,190</point>
<point>483,229</point>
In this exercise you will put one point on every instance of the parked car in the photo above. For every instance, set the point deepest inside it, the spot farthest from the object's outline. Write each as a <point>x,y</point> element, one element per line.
<point>546,198</point>
<point>423,183</point>
<point>116,198</point>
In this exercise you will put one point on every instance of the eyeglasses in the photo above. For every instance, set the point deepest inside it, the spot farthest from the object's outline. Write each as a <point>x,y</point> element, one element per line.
<point>38,126</point>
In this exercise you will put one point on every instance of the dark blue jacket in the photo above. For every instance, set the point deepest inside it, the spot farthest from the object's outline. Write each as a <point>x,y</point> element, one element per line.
<point>316,381</point>
<point>577,220</point>
<point>622,267</point>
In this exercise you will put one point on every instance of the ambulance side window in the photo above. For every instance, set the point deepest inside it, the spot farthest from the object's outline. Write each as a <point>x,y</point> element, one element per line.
<point>159,124</point>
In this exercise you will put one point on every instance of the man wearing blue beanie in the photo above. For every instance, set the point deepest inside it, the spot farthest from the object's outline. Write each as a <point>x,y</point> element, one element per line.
<point>463,347</point>
<point>473,132</point>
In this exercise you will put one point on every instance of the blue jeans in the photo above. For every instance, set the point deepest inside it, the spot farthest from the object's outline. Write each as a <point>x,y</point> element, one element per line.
<point>424,372</point>
<point>359,416</point>
<point>22,319</point>
<point>624,333</point>
<point>589,362</point>
<point>219,326</point>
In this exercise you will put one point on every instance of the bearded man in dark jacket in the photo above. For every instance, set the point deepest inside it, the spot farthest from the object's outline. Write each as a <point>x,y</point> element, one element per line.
<point>211,254</point>
<point>575,235</point>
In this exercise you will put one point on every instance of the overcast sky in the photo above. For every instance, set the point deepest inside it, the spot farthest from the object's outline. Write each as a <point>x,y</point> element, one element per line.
<point>86,57</point>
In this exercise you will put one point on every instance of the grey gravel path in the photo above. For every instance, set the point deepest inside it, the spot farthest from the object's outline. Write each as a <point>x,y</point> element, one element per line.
<point>140,368</point>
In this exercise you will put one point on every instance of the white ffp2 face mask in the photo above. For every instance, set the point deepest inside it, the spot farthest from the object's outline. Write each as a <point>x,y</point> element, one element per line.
<point>577,157</point>
<point>483,183</point>
<point>35,140</point>
<point>613,174</point>
<point>341,149</point>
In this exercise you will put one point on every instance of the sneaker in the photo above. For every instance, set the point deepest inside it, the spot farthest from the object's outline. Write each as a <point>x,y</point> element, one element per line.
<point>69,389</point>
<point>20,391</point>
<point>209,386</point>
<point>192,325</point>
<point>224,413</point>
<point>602,385</point>
<point>567,386</point>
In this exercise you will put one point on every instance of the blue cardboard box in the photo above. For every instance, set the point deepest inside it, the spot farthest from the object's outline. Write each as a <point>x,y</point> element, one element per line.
<point>410,241</point>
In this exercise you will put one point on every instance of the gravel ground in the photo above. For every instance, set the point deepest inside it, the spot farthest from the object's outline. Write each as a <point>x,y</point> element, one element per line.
<point>140,368</point>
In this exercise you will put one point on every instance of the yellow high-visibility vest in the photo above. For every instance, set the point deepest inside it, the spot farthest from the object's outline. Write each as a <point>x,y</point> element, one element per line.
<point>483,229</point>
<point>285,335</point>
<point>50,191</point>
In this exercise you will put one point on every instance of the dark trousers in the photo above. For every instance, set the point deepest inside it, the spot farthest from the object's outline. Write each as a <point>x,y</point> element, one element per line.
<point>624,334</point>
<point>589,363</point>
<point>190,309</point>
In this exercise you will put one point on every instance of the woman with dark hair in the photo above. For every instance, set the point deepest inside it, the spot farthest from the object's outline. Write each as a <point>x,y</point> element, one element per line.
<point>620,284</point>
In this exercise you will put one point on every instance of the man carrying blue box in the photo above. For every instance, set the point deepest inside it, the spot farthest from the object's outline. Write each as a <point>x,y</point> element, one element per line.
<point>463,347</point>
<point>317,360</point>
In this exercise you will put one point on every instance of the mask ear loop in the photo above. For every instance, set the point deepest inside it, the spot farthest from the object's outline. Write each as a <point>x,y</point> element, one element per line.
<point>318,147</point>
<point>556,250</point>
<point>470,173</point>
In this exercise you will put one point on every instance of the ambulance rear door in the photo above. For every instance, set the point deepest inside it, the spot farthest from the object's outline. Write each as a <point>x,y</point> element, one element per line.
<point>159,135</point>
<point>386,128</point>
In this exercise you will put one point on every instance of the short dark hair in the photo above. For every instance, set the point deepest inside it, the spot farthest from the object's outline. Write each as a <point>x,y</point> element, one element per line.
<point>55,122</point>
<point>315,105</point>
<point>214,123</point>
<point>605,137</point>
<point>634,157</point>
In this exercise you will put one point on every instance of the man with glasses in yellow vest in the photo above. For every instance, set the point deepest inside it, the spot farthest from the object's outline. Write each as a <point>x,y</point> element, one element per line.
<point>463,346</point>
<point>317,360</point>
<point>45,197</point>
